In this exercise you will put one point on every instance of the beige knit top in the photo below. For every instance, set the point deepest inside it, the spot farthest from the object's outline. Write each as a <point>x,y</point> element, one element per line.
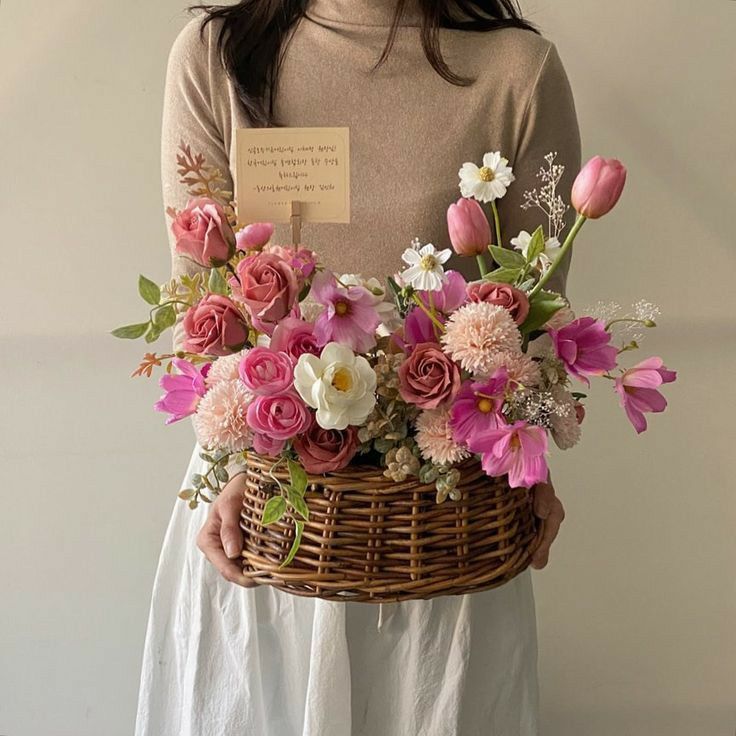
<point>410,130</point>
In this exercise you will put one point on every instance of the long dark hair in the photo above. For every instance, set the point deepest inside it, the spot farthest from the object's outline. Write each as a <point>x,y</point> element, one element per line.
<point>254,36</point>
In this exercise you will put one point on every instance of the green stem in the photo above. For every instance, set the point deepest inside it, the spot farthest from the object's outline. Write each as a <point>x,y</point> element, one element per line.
<point>645,322</point>
<point>497,223</point>
<point>482,265</point>
<point>563,250</point>
<point>423,307</point>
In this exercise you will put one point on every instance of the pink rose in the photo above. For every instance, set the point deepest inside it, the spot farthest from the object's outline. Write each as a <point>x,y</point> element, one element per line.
<point>598,187</point>
<point>268,287</point>
<point>268,446</point>
<point>203,233</point>
<point>504,295</point>
<point>428,377</point>
<point>300,258</point>
<point>265,371</point>
<point>295,337</point>
<point>326,450</point>
<point>214,326</point>
<point>278,416</point>
<point>254,236</point>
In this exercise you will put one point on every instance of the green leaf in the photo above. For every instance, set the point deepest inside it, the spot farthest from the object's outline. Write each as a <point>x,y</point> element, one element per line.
<point>298,477</point>
<point>164,317</point>
<point>153,334</point>
<point>221,474</point>
<point>503,275</point>
<point>149,290</point>
<point>131,332</point>
<point>217,283</point>
<point>543,305</point>
<point>187,494</point>
<point>296,499</point>
<point>273,510</point>
<point>536,246</point>
<point>506,257</point>
<point>299,528</point>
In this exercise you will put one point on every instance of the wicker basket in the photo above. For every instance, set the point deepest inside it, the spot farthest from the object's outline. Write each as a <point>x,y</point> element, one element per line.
<point>371,539</point>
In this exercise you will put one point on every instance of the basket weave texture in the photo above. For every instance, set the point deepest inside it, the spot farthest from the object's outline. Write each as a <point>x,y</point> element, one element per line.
<point>371,539</point>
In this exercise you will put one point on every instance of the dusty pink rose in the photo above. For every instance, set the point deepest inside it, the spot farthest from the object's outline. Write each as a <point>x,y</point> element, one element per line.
<point>277,418</point>
<point>266,371</point>
<point>428,377</point>
<point>295,337</point>
<point>254,236</point>
<point>326,450</point>
<point>598,187</point>
<point>268,287</point>
<point>214,326</point>
<point>203,233</point>
<point>504,295</point>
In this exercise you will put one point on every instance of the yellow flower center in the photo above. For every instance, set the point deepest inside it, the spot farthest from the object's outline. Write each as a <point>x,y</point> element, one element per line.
<point>341,308</point>
<point>342,380</point>
<point>486,174</point>
<point>428,263</point>
<point>515,443</point>
<point>485,406</point>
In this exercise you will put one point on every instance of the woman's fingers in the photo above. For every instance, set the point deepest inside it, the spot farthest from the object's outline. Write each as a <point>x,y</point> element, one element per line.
<point>548,508</point>
<point>209,540</point>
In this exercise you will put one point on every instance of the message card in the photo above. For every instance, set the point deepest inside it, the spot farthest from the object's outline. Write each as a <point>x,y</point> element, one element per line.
<point>278,166</point>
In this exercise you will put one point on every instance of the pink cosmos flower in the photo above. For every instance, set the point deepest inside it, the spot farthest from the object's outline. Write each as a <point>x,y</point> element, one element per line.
<point>637,388</point>
<point>518,449</point>
<point>301,259</point>
<point>295,337</point>
<point>477,407</point>
<point>584,347</point>
<point>265,371</point>
<point>277,417</point>
<point>183,390</point>
<point>349,318</point>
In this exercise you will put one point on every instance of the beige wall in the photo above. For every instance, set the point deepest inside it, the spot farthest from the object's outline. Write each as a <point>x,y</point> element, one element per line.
<point>636,611</point>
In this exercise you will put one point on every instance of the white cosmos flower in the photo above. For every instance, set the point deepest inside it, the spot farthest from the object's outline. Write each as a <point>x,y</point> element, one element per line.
<point>488,182</point>
<point>545,258</point>
<point>339,385</point>
<point>425,272</point>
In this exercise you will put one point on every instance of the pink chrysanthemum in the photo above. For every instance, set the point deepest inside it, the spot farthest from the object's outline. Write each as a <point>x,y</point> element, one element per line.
<point>225,369</point>
<point>434,438</point>
<point>220,420</point>
<point>520,367</point>
<point>476,333</point>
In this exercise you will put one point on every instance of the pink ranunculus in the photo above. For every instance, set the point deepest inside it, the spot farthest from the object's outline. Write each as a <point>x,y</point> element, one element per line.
<point>637,388</point>
<point>505,295</point>
<point>279,417</point>
<point>266,371</point>
<point>294,337</point>
<point>428,377</point>
<point>214,326</point>
<point>326,450</point>
<point>268,287</point>
<point>301,259</point>
<point>183,390</point>
<point>584,347</point>
<point>477,407</point>
<point>349,318</point>
<point>254,236</point>
<point>470,232</point>
<point>598,187</point>
<point>203,233</point>
<point>518,449</point>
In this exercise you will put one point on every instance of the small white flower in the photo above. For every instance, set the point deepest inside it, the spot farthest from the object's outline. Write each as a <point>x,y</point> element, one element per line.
<point>545,258</point>
<point>339,385</point>
<point>488,182</point>
<point>425,272</point>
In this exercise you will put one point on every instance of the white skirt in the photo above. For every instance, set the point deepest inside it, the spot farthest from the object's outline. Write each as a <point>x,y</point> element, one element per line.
<point>221,660</point>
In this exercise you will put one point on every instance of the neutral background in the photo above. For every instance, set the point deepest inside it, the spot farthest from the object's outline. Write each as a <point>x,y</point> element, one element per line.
<point>637,609</point>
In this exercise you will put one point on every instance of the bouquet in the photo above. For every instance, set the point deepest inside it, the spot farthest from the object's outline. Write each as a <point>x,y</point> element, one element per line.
<point>317,371</point>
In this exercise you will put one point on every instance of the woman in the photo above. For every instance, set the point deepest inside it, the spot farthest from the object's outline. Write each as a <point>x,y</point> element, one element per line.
<point>453,80</point>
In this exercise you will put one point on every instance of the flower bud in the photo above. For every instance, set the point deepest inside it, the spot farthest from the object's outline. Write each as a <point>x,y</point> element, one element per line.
<point>254,236</point>
<point>598,187</point>
<point>470,233</point>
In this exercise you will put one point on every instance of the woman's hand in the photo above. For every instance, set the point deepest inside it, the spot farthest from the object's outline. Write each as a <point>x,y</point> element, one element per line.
<point>220,538</point>
<point>550,510</point>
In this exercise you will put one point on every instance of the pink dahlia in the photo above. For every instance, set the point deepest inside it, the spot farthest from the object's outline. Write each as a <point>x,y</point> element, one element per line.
<point>477,332</point>
<point>220,420</point>
<point>584,347</point>
<point>477,407</point>
<point>435,438</point>
<point>183,390</point>
<point>518,449</point>
<point>349,318</point>
<point>637,388</point>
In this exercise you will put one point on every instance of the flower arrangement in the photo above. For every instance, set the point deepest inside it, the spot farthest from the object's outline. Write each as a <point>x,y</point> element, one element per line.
<point>318,370</point>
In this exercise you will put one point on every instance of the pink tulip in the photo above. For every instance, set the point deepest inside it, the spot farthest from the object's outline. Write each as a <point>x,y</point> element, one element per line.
<point>598,187</point>
<point>637,388</point>
<point>470,233</point>
<point>183,390</point>
<point>254,236</point>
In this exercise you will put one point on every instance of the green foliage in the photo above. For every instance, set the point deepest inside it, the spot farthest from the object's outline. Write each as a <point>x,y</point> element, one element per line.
<point>503,275</point>
<point>507,258</point>
<point>216,283</point>
<point>542,306</point>
<point>131,332</point>
<point>149,290</point>
<point>298,477</point>
<point>298,530</point>
<point>536,246</point>
<point>164,317</point>
<point>274,509</point>
<point>297,501</point>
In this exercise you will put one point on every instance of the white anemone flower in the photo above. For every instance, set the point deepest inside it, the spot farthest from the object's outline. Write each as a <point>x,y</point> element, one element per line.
<point>425,272</point>
<point>488,182</point>
<point>544,259</point>
<point>339,385</point>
